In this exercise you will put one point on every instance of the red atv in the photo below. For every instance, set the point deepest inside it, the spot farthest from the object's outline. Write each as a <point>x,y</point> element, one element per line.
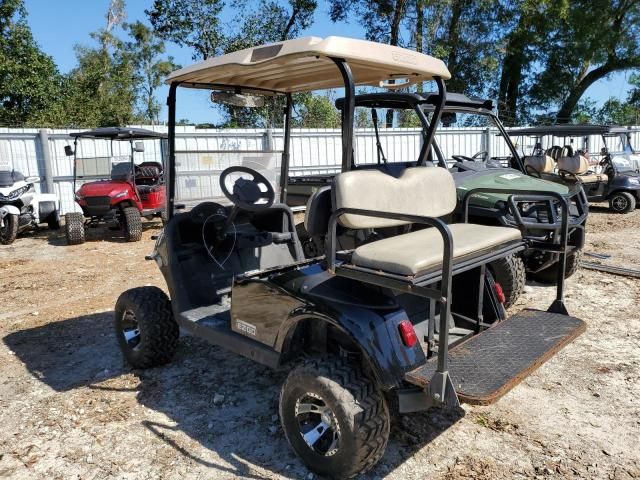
<point>120,191</point>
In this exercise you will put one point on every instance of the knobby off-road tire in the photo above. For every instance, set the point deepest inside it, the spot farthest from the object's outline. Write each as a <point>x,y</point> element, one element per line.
<point>74,228</point>
<point>356,405</point>
<point>146,311</point>
<point>622,202</point>
<point>510,273</point>
<point>9,230</point>
<point>550,275</point>
<point>132,224</point>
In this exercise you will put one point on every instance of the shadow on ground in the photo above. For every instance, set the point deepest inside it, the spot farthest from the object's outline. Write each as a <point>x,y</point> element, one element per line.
<point>242,430</point>
<point>92,234</point>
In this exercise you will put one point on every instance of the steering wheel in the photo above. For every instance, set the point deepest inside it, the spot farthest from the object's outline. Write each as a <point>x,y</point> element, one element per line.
<point>247,193</point>
<point>464,158</point>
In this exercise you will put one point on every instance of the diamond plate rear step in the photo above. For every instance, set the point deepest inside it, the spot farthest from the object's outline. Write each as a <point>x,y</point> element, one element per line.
<point>488,365</point>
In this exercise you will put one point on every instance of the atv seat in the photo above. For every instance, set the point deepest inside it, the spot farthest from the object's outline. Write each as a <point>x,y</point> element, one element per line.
<point>417,256</point>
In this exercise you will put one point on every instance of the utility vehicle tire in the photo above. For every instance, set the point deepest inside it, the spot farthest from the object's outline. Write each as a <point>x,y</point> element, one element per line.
<point>9,230</point>
<point>622,202</point>
<point>132,224</point>
<point>74,228</point>
<point>145,328</point>
<point>550,274</point>
<point>510,273</point>
<point>338,406</point>
<point>53,222</point>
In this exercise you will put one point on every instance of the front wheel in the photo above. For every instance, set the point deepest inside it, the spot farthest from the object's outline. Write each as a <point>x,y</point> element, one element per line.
<point>132,224</point>
<point>549,275</point>
<point>622,202</point>
<point>145,328</point>
<point>9,229</point>
<point>510,273</point>
<point>74,228</point>
<point>334,417</point>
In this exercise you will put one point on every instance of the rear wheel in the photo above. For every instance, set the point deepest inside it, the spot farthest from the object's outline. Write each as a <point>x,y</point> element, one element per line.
<point>510,273</point>
<point>334,417</point>
<point>9,229</point>
<point>550,274</point>
<point>53,222</point>
<point>74,228</point>
<point>622,202</point>
<point>145,328</point>
<point>132,224</point>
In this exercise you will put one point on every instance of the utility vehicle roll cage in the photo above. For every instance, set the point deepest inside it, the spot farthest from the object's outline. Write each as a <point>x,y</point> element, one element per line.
<point>112,134</point>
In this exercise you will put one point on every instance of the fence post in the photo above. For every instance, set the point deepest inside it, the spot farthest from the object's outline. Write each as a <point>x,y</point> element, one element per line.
<point>46,157</point>
<point>486,139</point>
<point>267,140</point>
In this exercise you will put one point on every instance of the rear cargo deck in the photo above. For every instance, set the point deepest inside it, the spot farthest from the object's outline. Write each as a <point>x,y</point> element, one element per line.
<point>488,365</point>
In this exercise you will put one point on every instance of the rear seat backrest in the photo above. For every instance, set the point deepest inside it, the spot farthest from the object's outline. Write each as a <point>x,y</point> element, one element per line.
<point>429,192</point>
<point>576,164</point>
<point>540,163</point>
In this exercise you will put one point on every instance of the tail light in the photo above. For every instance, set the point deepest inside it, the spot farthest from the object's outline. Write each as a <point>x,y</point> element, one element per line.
<point>407,333</point>
<point>499,292</point>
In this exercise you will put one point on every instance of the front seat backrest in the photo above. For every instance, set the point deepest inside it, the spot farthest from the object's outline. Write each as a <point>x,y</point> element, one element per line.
<point>429,192</point>
<point>554,152</point>
<point>540,163</point>
<point>316,218</point>
<point>576,164</point>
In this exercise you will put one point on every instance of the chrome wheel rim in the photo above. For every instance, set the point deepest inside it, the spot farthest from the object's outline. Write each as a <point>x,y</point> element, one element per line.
<point>317,424</point>
<point>619,203</point>
<point>130,329</point>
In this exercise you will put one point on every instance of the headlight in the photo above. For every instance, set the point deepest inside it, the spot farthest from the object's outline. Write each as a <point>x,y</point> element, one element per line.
<point>634,180</point>
<point>121,194</point>
<point>15,194</point>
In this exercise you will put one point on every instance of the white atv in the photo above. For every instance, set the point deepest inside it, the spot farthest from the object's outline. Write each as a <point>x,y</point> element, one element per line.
<point>22,208</point>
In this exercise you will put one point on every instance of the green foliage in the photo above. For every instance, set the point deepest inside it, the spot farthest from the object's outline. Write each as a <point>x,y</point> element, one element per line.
<point>145,50</point>
<point>189,23</point>
<point>315,111</point>
<point>29,79</point>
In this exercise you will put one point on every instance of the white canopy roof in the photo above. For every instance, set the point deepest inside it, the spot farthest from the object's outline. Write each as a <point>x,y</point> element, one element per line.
<point>305,64</point>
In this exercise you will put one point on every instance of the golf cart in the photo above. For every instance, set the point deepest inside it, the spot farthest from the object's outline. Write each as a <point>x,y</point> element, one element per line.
<point>355,327</point>
<point>612,175</point>
<point>503,172</point>
<point>121,191</point>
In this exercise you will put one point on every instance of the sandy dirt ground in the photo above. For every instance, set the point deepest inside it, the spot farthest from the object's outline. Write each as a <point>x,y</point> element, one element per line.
<point>71,408</point>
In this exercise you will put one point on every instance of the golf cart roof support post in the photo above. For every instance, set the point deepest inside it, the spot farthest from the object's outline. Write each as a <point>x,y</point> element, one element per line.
<point>75,163</point>
<point>286,156</point>
<point>507,138</point>
<point>347,113</point>
<point>437,113</point>
<point>171,103</point>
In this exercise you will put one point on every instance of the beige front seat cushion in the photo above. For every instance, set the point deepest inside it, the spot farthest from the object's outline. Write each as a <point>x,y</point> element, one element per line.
<point>576,164</point>
<point>428,192</point>
<point>419,251</point>
<point>593,178</point>
<point>540,163</point>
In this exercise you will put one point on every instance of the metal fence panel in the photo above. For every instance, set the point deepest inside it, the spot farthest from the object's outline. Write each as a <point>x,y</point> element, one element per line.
<point>313,151</point>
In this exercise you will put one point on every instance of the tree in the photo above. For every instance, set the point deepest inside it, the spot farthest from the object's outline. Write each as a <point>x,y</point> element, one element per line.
<point>145,50</point>
<point>597,38</point>
<point>102,88</point>
<point>189,23</point>
<point>30,83</point>
<point>316,111</point>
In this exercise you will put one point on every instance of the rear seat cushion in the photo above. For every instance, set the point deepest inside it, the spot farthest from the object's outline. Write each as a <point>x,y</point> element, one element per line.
<point>429,192</point>
<point>419,251</point>
<point>576,164</point>
<point>540,163</point>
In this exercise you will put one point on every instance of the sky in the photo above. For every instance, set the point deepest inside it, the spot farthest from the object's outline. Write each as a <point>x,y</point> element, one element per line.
<point>59,25</point>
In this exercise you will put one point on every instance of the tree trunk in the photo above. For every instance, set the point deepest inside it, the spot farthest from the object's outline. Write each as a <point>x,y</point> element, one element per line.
<point>581,86</point>
<point>511,76</point>
<point>418,36</point>
<point>394,36</point>
<point>454,36</point>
